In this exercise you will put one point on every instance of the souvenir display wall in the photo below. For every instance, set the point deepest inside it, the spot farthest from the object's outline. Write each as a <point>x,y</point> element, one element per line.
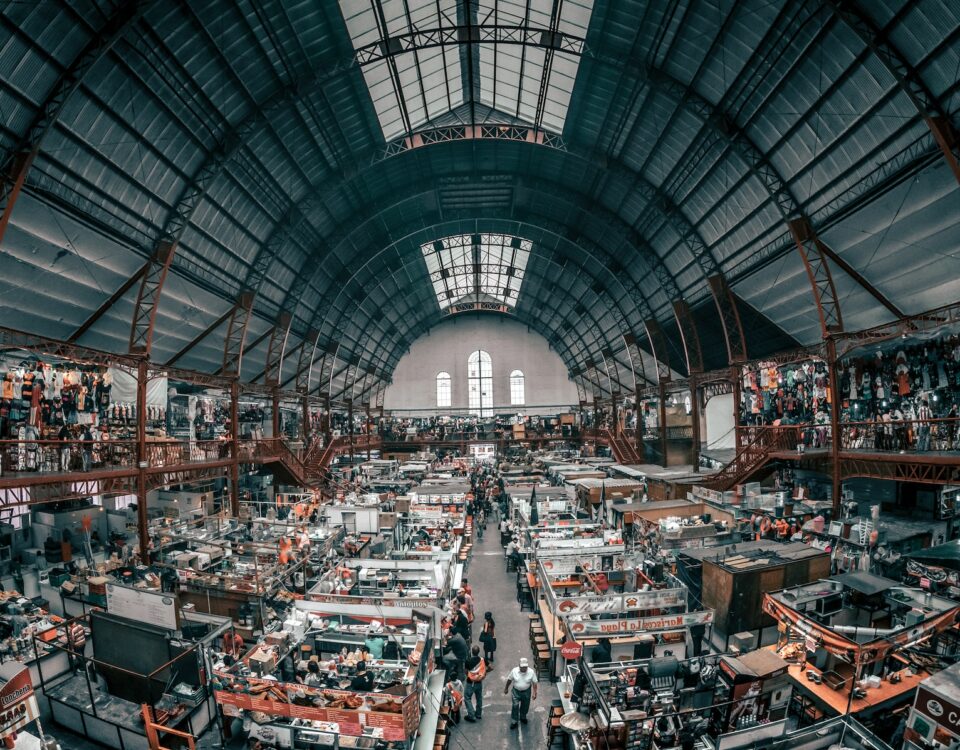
<point>793,393</point>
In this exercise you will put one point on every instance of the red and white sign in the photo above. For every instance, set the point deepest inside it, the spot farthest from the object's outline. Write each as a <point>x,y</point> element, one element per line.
<point>658,623</point>
<point>571,650</point>
<point>397,716</point>
<point>18,704</point>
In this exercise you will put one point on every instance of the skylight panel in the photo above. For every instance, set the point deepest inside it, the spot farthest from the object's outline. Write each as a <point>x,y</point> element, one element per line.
<point>416,74</point>
<point>476,268</point>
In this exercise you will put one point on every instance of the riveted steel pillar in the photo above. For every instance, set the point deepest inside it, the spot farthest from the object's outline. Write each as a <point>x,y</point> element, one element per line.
<point>143,462</point>
<point>663,420</point>
<point>234,452</point>
<point>695,421</point>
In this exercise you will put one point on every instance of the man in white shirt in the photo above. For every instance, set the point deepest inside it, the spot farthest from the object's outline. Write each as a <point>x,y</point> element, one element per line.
<point>524,683</point>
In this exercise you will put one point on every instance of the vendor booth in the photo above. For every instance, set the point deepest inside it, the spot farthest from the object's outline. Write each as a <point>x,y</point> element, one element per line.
<point>861,643</point>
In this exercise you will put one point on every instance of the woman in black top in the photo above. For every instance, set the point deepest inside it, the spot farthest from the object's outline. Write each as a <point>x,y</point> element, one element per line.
<point>488,637</point>
<point>363,682</point>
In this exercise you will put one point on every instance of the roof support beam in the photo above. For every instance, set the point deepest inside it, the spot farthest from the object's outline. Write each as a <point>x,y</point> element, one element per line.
<point>821,280</point>
<point>730,318</point>
<point>200,337</point>
<point>944,131</point>
<point>17,162</point>
<point>658,344</point>
<point>236,334</point>
<point>388,47</point>
<point>108,303</point>
<point>689,336</point>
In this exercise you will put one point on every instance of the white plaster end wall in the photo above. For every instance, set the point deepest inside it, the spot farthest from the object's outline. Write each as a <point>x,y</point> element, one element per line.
<point>511,346</point>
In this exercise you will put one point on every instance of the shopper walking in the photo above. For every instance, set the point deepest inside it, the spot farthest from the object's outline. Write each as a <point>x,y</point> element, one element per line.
<point>488,637</point>
<point>476,672</point>
<point>455,653</point>
<point>523,681</point>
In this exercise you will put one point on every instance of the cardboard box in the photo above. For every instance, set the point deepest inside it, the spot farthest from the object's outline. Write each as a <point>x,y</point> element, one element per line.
<point>262,661</point>
<point>97,585</point>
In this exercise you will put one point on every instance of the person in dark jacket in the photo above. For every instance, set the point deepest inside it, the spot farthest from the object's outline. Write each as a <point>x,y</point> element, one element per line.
<point>601,653</point>
<point>458,651</point>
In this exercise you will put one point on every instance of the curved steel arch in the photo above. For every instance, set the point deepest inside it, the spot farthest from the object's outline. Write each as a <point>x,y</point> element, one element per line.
<point>908,78</point>
<point>636,360</point>
<point>179,217</point>
<point>813,251</point>
<point>315,263</point>
<point>662,274</point>
<point>331,357</point>
<point>504,226</point>
<point>321,312</point>
<point>510,225</point>
<point>422,324</point>
<point>613,264</point>
<point>18,161</point>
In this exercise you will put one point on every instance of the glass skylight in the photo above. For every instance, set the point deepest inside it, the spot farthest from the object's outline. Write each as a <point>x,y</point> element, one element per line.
<point>417,70</point>
<point>477,268</point>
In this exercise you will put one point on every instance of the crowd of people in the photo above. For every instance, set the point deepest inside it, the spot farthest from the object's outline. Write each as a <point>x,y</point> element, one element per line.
<point>470,643</point>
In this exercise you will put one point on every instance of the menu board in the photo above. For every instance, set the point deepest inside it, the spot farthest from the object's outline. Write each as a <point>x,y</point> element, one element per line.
<point>152,607</point>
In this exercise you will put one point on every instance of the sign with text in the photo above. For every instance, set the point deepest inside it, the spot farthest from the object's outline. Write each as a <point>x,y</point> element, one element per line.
<point>659,623</point>
<point>146,606</point>
<point>396,716</point>
<point>402,602</point>
<point>942,711</point>
<point>633,602</point>
<point>18,703</point>
<point>571,650</point>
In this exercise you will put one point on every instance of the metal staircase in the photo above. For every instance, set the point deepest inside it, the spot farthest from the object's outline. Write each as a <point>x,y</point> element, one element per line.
<point>623,450</point>
<point>752,456</point>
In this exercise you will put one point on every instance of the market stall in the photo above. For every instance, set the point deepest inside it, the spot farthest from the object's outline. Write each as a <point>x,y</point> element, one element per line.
<point>351,696</point>
<point>861,643</point>
<point>159,659</point>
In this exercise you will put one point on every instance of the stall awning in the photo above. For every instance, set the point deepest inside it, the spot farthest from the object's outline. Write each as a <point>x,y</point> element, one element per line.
<point>942,556</point>
<point>865,583</point>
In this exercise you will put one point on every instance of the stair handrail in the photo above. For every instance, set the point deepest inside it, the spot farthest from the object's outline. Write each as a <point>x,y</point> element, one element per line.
<point>750,456</point>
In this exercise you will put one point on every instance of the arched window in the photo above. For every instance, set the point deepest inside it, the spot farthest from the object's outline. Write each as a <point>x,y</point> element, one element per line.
<point>443,390</point>
<point>516,388</point>
<point>480,381</point>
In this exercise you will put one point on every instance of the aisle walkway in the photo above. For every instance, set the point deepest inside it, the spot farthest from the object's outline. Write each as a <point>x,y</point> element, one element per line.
<point>496,591</point>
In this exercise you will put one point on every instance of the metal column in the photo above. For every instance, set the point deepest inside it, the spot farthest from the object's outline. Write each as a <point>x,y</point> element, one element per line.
<point>350,426</point>
<point>275,413</point>
<point>663,421</point>
<point>143,462</point>
<point>234,453</point>
<point>369,419</point>
<point>834,423</point>
<point>695,421</point>
<point>735,377</point>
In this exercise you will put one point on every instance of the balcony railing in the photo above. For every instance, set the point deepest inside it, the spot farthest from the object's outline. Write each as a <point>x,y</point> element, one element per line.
<point>63,456</point>
<point>907,436</point>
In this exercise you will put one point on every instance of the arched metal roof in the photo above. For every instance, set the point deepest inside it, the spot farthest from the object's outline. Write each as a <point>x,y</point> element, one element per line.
<point>247,185</point>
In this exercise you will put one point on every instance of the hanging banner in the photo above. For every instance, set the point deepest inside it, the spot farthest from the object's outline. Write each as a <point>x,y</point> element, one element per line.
<point>18,703</point>
<point>659,623</point>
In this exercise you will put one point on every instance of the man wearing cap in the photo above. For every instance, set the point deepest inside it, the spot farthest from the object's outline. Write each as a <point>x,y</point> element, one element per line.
<point>524,683</point>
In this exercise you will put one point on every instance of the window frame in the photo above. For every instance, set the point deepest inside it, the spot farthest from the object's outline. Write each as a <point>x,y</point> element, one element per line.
<point>480,383</point>
<point>518,381</point>
<point>443,379</point>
